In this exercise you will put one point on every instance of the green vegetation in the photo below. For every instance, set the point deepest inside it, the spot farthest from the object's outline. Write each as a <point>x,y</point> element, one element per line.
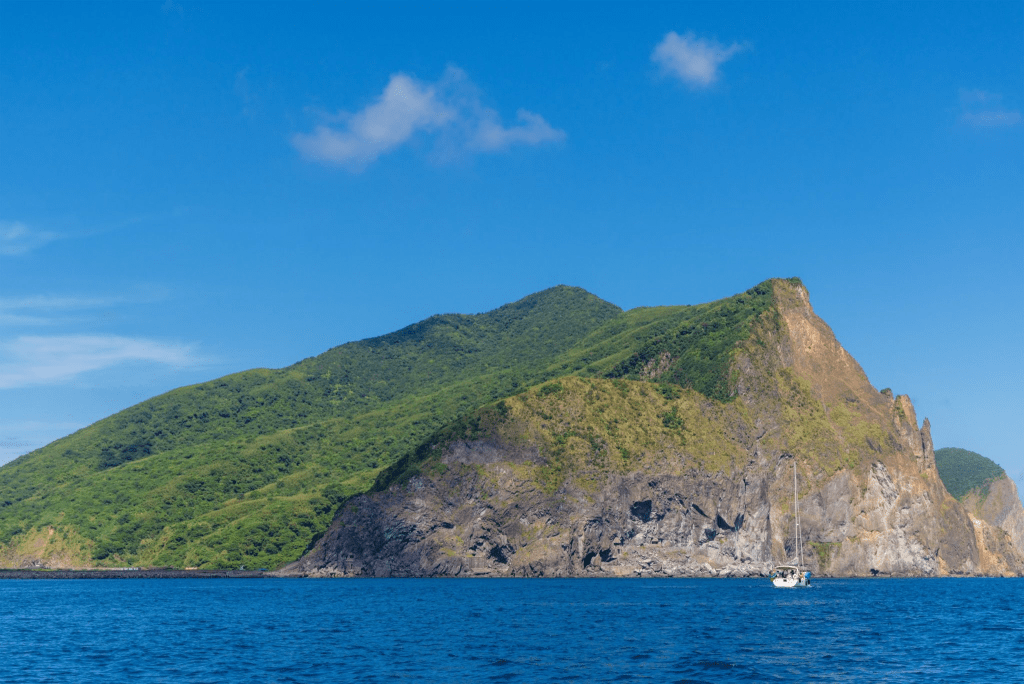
<point>247,469</point>
<point>697,350</point>
<point>589,428</point>
<point>962,471</point>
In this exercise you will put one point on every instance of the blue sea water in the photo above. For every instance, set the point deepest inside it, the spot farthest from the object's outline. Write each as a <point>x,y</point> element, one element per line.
<point>582,630</point>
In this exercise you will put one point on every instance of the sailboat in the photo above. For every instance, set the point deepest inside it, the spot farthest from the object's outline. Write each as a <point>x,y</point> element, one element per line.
<point>790,576</point>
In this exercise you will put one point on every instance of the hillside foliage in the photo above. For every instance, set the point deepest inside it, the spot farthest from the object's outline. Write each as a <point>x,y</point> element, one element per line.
<point>962,470</point>
<point>696,350</point>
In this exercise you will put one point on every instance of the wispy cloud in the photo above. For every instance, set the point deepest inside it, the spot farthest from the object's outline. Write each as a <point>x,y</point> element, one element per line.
<point>450,108</point>
<point>44,360</point>
<point>695,61</point>
<point>16,238</point>
<point>491,136</point>
<point>62,302</point>
<point>12,320</point>
<point>985,110</point>
<point>37,310</point>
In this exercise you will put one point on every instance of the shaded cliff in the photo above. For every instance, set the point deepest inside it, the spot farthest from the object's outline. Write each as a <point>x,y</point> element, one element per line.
<point>635,471</point>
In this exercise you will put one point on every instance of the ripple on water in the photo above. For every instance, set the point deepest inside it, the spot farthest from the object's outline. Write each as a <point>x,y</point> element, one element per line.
<point>689,631</point>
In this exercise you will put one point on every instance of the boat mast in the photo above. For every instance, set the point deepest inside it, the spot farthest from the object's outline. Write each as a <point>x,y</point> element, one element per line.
<point>796,508</point>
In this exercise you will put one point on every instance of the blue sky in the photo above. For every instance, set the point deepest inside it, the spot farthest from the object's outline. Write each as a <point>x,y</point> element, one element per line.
<point>189,190</point>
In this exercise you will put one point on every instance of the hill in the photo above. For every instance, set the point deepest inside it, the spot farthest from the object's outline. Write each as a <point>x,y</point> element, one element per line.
<point>962,470</point>
<point>638,471</point>
<point>538,433</point>
<point>249,468</point>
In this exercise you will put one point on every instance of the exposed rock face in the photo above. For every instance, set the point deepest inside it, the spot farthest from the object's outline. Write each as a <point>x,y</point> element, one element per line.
<point>481,518</point>
<point>711,494</point>
<point>998,505</point>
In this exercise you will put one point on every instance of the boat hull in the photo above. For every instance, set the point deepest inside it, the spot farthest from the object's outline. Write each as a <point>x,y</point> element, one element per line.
<point>790,582</point>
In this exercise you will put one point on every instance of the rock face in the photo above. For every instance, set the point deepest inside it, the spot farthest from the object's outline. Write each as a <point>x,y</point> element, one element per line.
<point>608,477</point>
<point>998,504</point>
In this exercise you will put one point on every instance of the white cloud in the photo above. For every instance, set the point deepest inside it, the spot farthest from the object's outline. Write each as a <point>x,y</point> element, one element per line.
<point>491,136</point>
<point>16,238</point>
<point>38,360</point>
<point>451,108</point>
<point>983,109</point>
<point>693,60</point>
<point>404,107</point>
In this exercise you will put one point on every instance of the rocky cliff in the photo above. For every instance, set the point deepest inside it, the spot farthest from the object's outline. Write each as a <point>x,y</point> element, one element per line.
<point>998,504</point>
<point>987,494</point>
<point>627,476</point>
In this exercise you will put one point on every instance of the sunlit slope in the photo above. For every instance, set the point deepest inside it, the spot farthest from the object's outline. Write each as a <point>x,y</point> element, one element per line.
<point>247,469</point>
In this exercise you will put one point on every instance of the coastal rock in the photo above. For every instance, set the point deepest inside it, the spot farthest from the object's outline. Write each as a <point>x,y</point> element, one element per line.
<point>487,519</point>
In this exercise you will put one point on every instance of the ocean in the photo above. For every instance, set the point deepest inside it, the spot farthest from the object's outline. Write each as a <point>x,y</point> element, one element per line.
<point>528,630</point>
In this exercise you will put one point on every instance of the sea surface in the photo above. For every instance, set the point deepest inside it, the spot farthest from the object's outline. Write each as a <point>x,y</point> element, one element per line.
<point>488,630</point>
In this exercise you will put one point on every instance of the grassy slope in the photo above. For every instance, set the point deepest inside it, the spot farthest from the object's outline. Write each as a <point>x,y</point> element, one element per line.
<point>962,470</point>
<point>248,468</point>
<point>587,428</point>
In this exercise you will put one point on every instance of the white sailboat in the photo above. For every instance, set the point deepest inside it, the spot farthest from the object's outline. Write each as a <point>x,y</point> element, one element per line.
<point>790,576</point>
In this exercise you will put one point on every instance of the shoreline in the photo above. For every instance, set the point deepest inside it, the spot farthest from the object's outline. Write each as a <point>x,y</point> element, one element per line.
<point>150,573</point>
<point>172,573</point>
